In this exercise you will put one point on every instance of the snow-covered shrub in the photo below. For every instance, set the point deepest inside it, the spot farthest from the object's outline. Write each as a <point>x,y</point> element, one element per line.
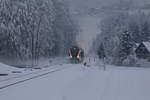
<point>142,63</point>
<point>131,60</point>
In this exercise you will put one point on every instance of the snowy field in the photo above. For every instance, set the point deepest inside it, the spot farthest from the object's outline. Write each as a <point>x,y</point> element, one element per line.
<point>9,72</point>
<point>77,82</point>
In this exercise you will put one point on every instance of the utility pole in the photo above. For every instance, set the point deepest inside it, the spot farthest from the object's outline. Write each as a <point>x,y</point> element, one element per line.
<point>104,64</point>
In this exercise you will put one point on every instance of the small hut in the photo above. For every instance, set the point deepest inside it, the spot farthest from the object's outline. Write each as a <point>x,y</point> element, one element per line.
<point>143,50</point>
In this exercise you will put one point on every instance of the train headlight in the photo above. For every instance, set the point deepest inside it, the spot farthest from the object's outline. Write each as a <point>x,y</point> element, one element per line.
<point>78,57</point>
<point>70,56</point>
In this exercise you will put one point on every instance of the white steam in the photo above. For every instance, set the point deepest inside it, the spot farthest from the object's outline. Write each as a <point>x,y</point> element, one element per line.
<point>89,27</point>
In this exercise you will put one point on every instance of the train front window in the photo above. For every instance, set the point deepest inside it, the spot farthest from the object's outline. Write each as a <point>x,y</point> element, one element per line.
<point>74,52</point>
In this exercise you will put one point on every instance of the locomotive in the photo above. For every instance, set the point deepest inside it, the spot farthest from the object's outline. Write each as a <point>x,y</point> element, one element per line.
<point>76,54</point>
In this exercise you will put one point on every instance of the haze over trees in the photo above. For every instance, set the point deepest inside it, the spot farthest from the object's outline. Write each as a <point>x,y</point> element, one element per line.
<point>119,47</point>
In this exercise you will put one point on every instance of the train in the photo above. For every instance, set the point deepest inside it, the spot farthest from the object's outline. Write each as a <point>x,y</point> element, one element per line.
<point>76,54</point>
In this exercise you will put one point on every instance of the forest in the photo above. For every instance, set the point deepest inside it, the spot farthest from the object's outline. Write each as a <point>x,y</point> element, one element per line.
<point>30,29</point>
<point>120,32</point>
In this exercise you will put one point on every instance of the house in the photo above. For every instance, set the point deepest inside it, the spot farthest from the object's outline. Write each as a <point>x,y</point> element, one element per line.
<point>143,50</point>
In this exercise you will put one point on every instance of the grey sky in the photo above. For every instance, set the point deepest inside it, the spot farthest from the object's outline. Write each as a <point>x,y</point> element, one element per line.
<point>96,3</point>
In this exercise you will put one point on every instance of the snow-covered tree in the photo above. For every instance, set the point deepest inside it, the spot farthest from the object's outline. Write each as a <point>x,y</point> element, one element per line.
<point>112,28</point>
<point>101,51</point>
<point>145,31</point>
<point>125,47</point>
<point>31,29</point>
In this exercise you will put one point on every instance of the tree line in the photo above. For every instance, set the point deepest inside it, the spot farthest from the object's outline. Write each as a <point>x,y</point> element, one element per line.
<point>30,29</point>
<point>120,32</point>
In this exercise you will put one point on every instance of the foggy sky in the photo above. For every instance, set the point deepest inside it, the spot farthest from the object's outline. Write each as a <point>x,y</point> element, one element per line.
<point>97,3</point>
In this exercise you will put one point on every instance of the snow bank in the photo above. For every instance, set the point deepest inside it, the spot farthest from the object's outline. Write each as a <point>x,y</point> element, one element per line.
<point>6,69</point>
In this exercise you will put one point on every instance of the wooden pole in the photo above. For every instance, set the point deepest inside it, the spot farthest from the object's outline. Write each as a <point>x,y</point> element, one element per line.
<point>104,65</point>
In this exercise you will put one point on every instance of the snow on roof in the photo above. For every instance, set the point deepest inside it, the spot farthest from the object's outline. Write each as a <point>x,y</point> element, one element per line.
<point>147,44</point>
<point>135,46</point>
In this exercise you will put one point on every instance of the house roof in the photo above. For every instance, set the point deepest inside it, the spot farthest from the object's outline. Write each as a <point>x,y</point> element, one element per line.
<point>147,44</point>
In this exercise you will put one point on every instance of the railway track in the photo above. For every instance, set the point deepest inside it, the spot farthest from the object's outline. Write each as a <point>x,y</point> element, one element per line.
<point>23,78</point>
<point>22,75</point>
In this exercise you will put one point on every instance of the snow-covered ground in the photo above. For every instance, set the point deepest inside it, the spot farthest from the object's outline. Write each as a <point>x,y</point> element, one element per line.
<point>10,74</point>
<point>78,82</point>
<point>7,69</point>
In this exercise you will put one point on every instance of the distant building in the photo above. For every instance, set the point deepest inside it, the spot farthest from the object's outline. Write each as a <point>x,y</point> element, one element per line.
<point>143,50</point>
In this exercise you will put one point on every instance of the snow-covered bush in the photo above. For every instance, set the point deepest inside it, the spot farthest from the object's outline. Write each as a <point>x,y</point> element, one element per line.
<point>142,63</point>
<point>131,60</point>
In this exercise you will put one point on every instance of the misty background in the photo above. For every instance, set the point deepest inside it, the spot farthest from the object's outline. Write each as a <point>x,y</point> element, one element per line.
<point>89,13</point>
<point>85,4</point>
